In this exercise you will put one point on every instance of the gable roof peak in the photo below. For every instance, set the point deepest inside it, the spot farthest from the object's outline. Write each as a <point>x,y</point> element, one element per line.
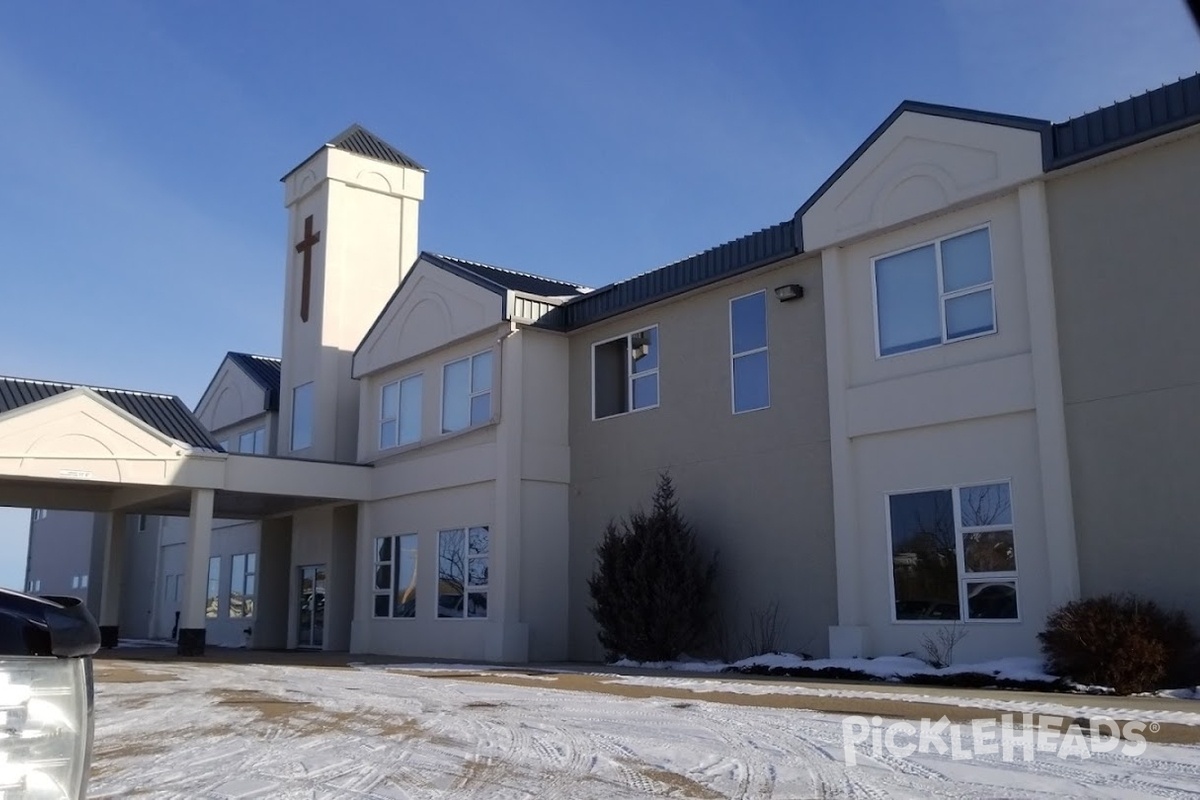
<point>360,141</point>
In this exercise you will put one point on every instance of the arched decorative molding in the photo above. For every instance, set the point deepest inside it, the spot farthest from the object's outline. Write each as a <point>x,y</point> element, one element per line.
<point>372,179</point>
<point>427,320</point>
<point>305,181</point>
<point>913,192</point>
<point>229,406</point>
<point>90,457</point>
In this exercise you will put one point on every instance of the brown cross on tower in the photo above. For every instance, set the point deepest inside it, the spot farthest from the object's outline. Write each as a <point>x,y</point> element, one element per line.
<point>306,246</point>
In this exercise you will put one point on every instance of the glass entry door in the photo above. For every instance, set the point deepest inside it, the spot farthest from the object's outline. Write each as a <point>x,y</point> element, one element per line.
<point>311,632</point>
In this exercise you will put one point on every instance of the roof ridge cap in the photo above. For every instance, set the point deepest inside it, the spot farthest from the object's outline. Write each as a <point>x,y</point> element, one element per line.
<point>66,385</point>
<point>506,269</point>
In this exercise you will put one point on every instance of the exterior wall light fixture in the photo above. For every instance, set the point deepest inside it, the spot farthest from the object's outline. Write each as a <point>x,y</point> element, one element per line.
<point>789,291</point>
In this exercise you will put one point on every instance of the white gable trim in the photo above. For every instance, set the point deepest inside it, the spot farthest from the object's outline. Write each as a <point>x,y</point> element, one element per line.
<point>919,165</point>
<point>432,309</point>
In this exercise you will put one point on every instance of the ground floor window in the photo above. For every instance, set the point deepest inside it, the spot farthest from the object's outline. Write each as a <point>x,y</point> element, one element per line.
<point>243,575</point>
<point>396,576</point>
<point>953,554</point>
<point>463,572</point>
<point>214,587</point>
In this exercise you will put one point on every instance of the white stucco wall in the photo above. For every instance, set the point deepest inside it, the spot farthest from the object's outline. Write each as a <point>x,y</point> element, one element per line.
<point>981,410</point>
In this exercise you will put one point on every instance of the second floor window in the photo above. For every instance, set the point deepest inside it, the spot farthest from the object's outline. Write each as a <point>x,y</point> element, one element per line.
<point>400,412</point>
<point>467,392</point>
<point>936,293</point>
<point>748,352</point>
<point>625,373</point>
<point>302,416</point>
<point>254,441</point>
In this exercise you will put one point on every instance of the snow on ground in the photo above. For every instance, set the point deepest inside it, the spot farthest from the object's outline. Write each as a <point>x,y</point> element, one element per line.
<point>209,730</point>
<point>1017,669</point>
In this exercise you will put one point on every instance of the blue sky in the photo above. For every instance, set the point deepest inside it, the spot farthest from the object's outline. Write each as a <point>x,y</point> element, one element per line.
<point>141,143</point>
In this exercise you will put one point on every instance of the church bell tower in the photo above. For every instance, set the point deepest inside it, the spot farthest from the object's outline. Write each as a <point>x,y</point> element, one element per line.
<point>352,236</point>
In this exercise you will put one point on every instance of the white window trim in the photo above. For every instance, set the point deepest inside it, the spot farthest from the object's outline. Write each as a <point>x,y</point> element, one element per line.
<point>943,296</point>
<point>383,411</point>
<point>629,378</point>
<point>254,434</point>
<point>733,357</point>
<point>394,571</point>
<point>470,394</point>
<point>963,576</point>
<point>208,578</point>
<point>467,588</point>
<point>246,574</point>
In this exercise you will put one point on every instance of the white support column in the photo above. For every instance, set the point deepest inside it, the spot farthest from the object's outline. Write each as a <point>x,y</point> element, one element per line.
<point>1059,510</point>
<point>846,639</point>
<point>111,578</point>
<point>195,575</point>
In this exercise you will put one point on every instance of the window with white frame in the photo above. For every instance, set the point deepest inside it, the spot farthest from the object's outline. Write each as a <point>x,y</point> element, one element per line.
<point>749,365</point>
<point>214,587</point>
<point>302,416</point>
<point>396,576</point>
<point>467,392</point>
<point>243,577</point>
<point>953,553</point>
<point>142,523</point>
<point>625,373</point>
<point>936,293</point>
<point>400,412</point>
<point>254,441</point>
<point>463,573</point>
<point>39,514</point>
<point>83,581</point>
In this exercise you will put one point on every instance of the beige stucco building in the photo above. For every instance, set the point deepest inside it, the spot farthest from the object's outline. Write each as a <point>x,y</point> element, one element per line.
<point>958,387</point>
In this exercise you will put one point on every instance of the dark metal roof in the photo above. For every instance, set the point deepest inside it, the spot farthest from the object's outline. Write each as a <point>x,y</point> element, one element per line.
<point>723,261</point>
<point>263,370</point>
<point>501,279</point>
<point>359,140</point>
<point>165,413</point>
<point>1128,122</point>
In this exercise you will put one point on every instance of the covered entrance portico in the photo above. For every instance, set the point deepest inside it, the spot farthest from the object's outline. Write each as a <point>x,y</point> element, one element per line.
<point>120,453</point>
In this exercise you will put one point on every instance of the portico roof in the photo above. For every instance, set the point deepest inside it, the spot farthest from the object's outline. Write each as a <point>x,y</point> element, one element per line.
<point>73,447</point>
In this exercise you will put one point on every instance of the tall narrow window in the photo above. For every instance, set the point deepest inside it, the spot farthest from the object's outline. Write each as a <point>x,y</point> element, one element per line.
<point>395,576</point>
<point>214,587</point>
<point>143,523</point>
<point>463,556</point>
<point>400,412</point>
<point>383,576</point>
<point>467,392</point>
<point>953,554</point>
<point>936,293</point>
<point>750,369</point>
<point>625,373</point>
<point>243,573</point>
<point>302,416</point>
<point>404,590</point>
